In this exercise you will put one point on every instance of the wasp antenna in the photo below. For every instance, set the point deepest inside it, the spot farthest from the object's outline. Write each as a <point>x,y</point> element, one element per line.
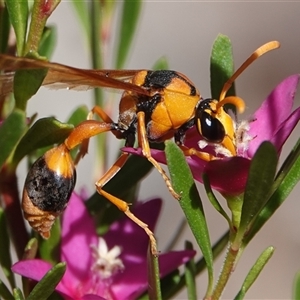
<point>235,101</point>
<point>256,54</point>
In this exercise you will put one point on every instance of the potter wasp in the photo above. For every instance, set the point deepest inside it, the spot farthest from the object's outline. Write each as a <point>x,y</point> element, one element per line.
<point>155,106</point>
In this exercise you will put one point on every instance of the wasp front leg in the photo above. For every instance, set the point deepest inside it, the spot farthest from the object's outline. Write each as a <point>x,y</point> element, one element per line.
<point>192,151</point>
<point>144,144</point>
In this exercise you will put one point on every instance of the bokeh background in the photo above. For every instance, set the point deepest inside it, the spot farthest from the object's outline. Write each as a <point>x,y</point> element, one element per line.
<point>183,32</point>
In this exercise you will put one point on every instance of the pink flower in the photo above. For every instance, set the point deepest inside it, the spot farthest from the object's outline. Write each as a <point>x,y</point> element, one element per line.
<point>111,267</point>
<point>273,121</point>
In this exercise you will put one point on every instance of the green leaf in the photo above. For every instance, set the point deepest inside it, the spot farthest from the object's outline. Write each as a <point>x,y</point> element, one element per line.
<point>221,66</point>
<point>18,295</point>
<point>48,41</point>
<point>4,28</point>
<point>44,132</point>
<point>4,292</point>
<point>296,287</point>
<point>5,258</point>
<point>31,249</point>
<point>255,271</point>
<point>171,289</point>
<point>78,115</point>
<point>81,9</point>
<point>260,180</point>
<point>45,287</point>
<point>190,202</point>
<point>213,200</point>
<point>26,84</point>
<point>49,249</point>
<point>190,275</point>
<point>127,28</point>
<point>11,131</point>
<point>18,13</point>
<point>161,64</point>
<point>286,180</point>
<point>154,291</point>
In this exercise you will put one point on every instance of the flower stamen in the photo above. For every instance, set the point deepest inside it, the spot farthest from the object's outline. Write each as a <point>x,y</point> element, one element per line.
<point>107,263</point>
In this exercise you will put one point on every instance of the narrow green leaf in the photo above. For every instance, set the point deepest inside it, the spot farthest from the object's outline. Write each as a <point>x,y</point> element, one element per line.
<point>177,236</point>
<point>78,115</point>
<point>18,13</point>
<point>127,28</point>
<point>46,286</point>
<point>11,131</point>
<point>190,202</point>
<point>255,271</point>
<point>221,66</point>
<point>82,12</point>
<point>161,64</point>
<point>213,200</point>
<point>44,132</point>
<point>18,295</point>
<point>49,249</point>
<point>170,281</point>
<point>170,290</point>
<point>5,258</point>
<point>31,249</point>
<point>260,180</point>
<point>190,275</point>
<point>296,287</point>
<point>288,177</point>
<point>4,28</point>
<point>26,84</point>
<point>154,291</point>
<point>4,292</point>
<point>48,41</point>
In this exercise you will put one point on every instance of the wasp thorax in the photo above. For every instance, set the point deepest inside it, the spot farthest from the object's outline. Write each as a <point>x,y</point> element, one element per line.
<point>48,188</point>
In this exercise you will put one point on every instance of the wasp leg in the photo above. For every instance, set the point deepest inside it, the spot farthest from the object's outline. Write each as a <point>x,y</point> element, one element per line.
<point>101,113</point>
<point>192,151</point>
<point>144,144</point>
<point>85,143</point>
<point>122,205</point>
<point>82,133</point>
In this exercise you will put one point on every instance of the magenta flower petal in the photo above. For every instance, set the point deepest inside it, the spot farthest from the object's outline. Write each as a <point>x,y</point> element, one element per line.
<point>36,269</point>
<point>272,113</point>
<point>136,281</point>
<point>229,175</point>
<point>125,230</point>
<point>78,234</point>
<point>285,130</point>
<point>92,297</point>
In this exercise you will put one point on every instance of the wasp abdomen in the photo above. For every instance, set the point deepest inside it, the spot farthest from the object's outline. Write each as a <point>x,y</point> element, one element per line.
<point>48,188</point>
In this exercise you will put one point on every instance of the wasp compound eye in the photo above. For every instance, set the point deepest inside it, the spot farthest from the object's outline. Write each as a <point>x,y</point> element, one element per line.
<point>209,126</point>
<point>48,188</point>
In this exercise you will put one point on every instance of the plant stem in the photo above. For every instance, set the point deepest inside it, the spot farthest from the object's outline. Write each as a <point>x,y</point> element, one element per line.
<point>231,258</point>
<point>41,11</point>
<point>95,40</point>
<point>10,195</point>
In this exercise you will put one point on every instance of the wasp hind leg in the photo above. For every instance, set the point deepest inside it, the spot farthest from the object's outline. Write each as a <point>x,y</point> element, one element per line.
<point>122,205</point>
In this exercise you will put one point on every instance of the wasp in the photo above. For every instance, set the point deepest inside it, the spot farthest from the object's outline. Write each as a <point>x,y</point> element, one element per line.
<point>154,107</point>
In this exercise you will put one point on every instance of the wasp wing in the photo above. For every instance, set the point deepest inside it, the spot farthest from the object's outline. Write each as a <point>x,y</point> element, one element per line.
<point>61,76</point>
